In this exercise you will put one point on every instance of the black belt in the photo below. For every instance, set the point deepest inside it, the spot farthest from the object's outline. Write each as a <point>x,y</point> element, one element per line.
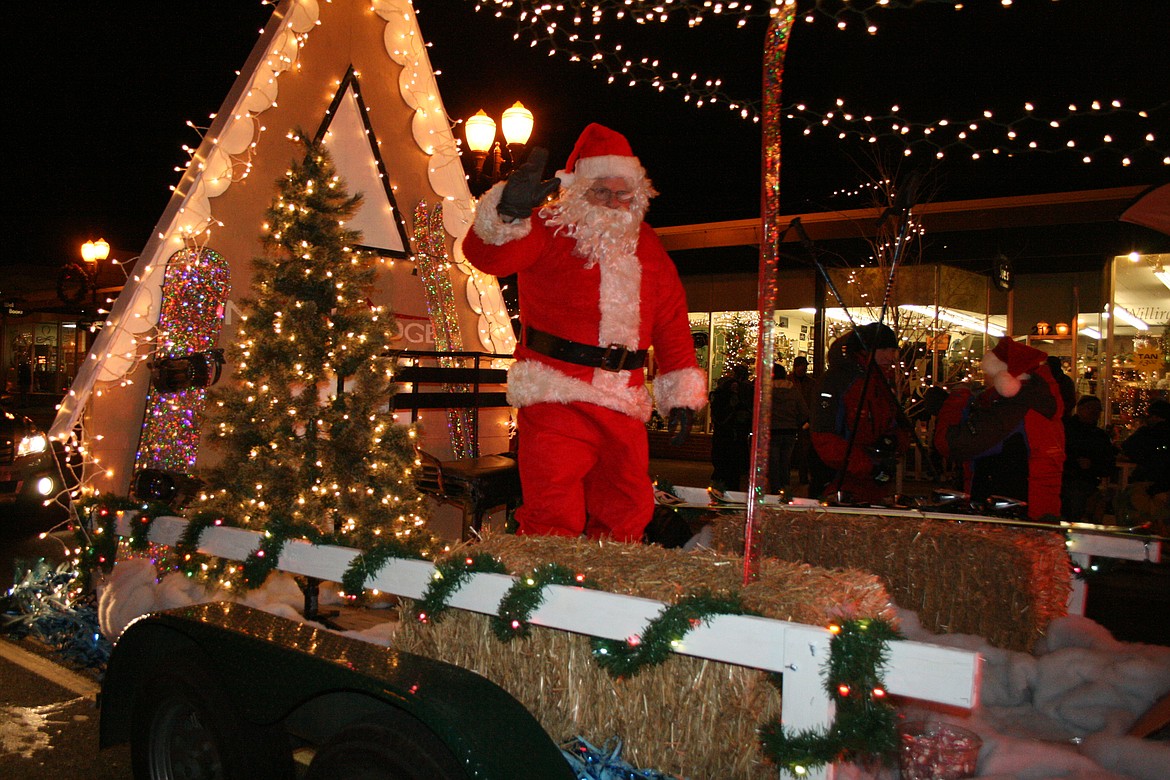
<point>615,357</point>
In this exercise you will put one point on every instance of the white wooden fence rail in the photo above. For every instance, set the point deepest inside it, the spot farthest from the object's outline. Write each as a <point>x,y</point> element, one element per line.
<point>799,652</point>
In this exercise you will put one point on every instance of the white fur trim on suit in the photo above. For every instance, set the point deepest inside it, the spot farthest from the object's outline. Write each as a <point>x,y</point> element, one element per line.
<point>490,227</point>
<point>530,382</point>
<point>620,298</point>
<point>1001,379</point>
<point>603,167</point>
<point>685,388</point>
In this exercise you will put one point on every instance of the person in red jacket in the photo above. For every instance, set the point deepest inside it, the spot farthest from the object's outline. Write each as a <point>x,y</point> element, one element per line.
<point>597,290</point>
<point>855,428</point>
<point>1009,436</point>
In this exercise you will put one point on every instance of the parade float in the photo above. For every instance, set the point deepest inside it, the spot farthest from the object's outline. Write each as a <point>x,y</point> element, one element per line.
<point>778,651</point>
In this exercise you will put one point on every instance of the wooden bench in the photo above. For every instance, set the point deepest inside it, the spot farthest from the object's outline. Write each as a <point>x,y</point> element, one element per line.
<point>459,382</point>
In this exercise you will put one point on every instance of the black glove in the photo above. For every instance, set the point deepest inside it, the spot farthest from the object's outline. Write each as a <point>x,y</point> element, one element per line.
<point>682,417</point>
<point>525,192</point>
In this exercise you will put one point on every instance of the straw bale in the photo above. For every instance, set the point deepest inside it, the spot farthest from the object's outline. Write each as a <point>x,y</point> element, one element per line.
<point>1003,583</point>
<point>689,717</point>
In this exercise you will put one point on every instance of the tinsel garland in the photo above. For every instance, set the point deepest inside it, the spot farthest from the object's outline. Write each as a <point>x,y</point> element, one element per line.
<point>52,606</point>
<point>593,763</point>
<point>662,634</point>
<point>449,577</point>
<point>865,724</point>
<point>527,594</point>
<point>369,562</point>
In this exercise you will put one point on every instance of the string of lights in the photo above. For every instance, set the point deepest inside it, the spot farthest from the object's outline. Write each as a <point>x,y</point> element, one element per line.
<point>576,31</point>
<point>1074,131</point>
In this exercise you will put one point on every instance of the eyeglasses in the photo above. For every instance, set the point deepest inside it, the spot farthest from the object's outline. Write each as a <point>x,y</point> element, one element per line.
<point>604,194</point>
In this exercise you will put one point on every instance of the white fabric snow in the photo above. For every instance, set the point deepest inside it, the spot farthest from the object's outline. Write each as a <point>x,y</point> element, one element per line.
<point>1080,686</point>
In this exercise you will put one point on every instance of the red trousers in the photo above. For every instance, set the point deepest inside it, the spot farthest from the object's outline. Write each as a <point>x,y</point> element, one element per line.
<point>584,469</point>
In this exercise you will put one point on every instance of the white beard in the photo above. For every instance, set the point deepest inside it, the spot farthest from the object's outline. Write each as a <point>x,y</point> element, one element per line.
<point>601,232</point>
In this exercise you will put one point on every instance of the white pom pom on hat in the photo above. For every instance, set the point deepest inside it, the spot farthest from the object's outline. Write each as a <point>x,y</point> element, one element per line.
<point>601,153</point>
<point>1010,363</point>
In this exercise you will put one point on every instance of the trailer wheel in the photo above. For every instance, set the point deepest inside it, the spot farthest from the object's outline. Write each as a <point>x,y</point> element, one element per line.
<point>398,749</point>
<point>185,728</point>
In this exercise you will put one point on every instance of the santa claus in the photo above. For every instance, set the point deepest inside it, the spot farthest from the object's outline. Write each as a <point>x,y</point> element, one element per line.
<point>1009,436</point>
<point>597,291</point>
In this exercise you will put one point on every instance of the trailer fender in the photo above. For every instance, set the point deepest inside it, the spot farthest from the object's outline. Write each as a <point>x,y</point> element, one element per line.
<point>315,683</point>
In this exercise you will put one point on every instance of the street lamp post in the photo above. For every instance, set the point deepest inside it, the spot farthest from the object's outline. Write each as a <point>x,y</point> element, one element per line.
<point>93,253</point>
<point>492,161</point>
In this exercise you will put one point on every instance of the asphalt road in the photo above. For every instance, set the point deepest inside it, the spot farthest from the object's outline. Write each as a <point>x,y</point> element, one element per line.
<point>49,722</point>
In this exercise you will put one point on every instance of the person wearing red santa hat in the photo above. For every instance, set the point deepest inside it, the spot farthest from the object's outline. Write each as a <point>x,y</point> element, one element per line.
<point>597,290</point>
<point>1009,436</point>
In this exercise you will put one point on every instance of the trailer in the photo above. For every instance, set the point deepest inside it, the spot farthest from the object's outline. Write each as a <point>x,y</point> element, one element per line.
<point>221,690</point>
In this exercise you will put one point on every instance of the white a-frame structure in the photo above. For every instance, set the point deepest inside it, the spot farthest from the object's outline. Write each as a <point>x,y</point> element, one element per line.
<point>356,73</point>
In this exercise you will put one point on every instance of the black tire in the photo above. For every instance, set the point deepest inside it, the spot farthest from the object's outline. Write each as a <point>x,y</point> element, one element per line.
<point>184,728</point>
<point>401,748</point>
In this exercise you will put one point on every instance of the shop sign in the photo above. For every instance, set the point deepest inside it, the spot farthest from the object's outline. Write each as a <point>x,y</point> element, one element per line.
<point>939,343</point>
<point>1147,360</point>
<point>1002,274</point>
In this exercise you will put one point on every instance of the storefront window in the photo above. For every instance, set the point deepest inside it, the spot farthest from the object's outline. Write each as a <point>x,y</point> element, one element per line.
<point>1137,335</point>
<point>45,350</point>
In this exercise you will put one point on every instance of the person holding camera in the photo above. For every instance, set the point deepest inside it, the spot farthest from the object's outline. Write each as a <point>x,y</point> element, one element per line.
<point>855,431</point>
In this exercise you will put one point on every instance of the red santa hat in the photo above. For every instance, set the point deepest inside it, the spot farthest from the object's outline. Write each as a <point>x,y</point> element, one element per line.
<point>601,153</point>
<point>1010,363</point>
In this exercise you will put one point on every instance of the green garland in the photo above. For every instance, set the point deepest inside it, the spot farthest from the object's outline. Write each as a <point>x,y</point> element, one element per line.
<point>526,595</point>
<point>450,575</point>
<point>656,642</point>
<point>98,535</point>
<point>188,544</point>
<point>263,560</point>
<point>369,562</point>
<point>865,723</point>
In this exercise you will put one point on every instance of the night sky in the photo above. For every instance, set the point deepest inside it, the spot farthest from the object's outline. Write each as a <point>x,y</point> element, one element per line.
<point>104,94</point>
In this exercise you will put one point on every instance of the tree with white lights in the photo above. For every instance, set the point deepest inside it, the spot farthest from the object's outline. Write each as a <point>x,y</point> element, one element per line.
<point>305,432</point>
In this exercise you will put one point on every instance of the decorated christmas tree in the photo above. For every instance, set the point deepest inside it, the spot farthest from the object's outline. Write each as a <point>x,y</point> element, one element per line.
<point>739,343</point>
<point>304,432</point>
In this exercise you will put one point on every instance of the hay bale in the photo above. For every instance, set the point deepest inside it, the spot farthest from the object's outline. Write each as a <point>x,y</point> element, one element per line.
<point>1002,583</point>
<point>690,717</point>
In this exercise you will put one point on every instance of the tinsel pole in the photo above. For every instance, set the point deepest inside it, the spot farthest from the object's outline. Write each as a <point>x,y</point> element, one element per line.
<point>775,47</point>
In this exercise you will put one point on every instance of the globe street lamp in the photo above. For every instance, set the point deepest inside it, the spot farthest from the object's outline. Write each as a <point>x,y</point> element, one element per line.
<point>93,253</point>
<point>76,278</point>
<point>492,161</point>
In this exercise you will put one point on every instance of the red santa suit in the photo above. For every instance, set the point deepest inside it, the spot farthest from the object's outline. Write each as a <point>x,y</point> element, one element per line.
<point>583,452</point>
<point>1009,436</point>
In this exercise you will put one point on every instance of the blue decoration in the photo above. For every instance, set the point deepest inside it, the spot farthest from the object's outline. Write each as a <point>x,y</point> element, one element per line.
<point>47,604</point>
<point>592,763</point>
